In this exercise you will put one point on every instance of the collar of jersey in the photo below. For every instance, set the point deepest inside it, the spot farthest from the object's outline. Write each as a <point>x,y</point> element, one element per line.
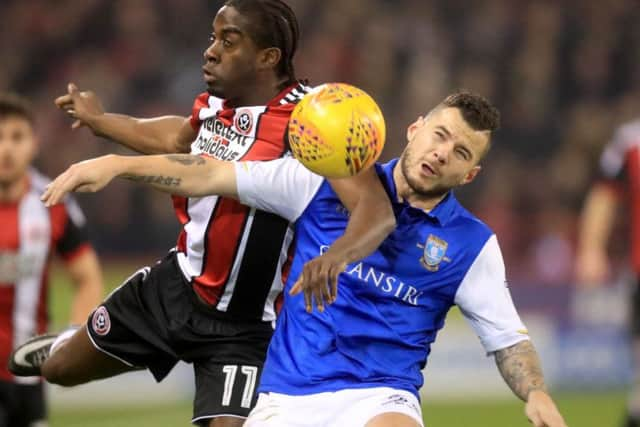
<point>274,102</point>
<point>442,212</point>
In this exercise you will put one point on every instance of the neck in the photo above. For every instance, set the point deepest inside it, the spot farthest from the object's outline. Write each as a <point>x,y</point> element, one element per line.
<point>258,93</point>
<point>406,193</point>
<point>11,192</point>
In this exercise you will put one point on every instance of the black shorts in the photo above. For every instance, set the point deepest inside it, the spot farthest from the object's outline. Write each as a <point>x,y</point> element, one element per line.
<point>21,404</point>
<point>154,319</point>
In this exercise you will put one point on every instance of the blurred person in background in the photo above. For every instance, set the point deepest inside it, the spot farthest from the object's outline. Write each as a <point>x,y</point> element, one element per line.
<point>29,234</point>
<point>620,177</point>
<point>211,301</point>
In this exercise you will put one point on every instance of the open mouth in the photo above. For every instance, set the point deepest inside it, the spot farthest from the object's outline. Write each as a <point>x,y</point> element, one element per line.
<point>428,170</point>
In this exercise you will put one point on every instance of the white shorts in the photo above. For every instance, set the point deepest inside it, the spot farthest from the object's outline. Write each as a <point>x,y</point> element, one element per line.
<point>351,407</point>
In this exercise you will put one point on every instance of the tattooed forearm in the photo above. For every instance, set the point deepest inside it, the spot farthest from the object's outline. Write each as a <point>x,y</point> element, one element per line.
<point>160,180</point>
<point>186,159</point>
<point>520,368</point>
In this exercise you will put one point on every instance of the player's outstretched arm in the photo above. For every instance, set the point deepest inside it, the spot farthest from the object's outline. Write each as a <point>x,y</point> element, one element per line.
<point>520,367</point>
<point>166,134</point>
<point>179,174</point>
<point>370,222</point>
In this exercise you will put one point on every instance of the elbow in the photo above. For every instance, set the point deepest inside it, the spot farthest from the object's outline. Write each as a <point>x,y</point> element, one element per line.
<point>377,207</point>
<point>388,219</point>
<point>387,223</point>
<point>388,226</point>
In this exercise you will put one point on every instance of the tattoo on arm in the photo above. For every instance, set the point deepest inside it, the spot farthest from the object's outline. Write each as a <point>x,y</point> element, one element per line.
<point>166,181</point>
<point>186,159</point>
<point>520,368</point>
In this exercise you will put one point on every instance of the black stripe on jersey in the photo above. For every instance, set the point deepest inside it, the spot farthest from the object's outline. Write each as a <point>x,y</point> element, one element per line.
<point>295,95</point>
<point>205,249</point>
<point>259,265</point>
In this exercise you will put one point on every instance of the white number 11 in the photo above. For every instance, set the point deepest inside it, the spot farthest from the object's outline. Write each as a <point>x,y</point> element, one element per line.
<point>251,374</point>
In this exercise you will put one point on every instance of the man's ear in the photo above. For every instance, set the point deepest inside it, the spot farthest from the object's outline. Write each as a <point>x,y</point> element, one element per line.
<point>413,128</point>
<point>269,58</point>
<point>471,175</point>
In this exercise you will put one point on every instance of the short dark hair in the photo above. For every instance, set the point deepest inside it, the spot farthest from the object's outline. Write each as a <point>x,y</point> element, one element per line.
<point>476,110</point>
<point>273,24</point>
<point>12,105</point>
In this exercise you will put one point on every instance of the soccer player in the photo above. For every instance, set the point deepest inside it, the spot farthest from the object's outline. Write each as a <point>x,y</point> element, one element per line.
<point>212,301</point>
<point>29,234</point>
<point>359,362</point>
<point>619,169</point>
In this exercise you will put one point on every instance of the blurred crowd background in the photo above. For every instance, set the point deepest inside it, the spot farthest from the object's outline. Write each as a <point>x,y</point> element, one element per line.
<point>564,73</point>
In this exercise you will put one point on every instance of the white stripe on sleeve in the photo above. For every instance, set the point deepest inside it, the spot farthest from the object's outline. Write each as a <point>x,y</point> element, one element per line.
<point>485,301</point>
<point>281,186</point>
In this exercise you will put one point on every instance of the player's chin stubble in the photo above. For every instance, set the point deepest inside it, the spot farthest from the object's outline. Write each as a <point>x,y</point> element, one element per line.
<point>416,186</point>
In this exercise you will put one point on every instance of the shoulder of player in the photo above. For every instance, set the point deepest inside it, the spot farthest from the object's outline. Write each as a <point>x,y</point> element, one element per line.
<point>470,224</point>
<point>38,180</point>
<point>627,135</point>
<point>38,183</point>
<point>292,95</point>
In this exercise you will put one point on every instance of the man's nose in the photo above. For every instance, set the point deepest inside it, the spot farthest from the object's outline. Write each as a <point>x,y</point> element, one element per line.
<point>211,53</point>
<point>441,153</point>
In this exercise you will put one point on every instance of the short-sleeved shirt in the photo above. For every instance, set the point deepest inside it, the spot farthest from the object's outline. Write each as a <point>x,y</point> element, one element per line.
<point>30,233</point>
<point>391,304</point>
<point>235,256</point>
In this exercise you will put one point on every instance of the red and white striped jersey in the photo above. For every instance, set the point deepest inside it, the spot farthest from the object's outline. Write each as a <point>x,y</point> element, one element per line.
<point>234,255</point>
<point>620,165</point>
<point>29,233</point>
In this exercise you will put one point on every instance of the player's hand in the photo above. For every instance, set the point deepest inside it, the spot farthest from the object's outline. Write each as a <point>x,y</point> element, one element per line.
<point>542,412</point>
<point>82,106</point>
<point>591,268</point>
<point>319,281</point>
<point>87,177</point>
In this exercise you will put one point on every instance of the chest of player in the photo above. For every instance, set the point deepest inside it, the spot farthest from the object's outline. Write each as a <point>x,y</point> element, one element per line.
<point>416,266</point>
<point>25,241</point>
<point>421,264</point>
<point>252,133</point>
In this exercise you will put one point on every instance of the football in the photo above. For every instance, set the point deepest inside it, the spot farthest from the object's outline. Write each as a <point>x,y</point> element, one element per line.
<point>337,130</point>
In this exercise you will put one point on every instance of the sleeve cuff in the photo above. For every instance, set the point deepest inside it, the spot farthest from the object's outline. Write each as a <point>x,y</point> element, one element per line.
<point>493,344</point>
<point>76,252</point>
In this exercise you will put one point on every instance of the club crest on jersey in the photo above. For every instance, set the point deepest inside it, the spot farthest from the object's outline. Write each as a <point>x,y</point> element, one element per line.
<point>433,253</point>
<point>244,121</point>
<point>100,321</point>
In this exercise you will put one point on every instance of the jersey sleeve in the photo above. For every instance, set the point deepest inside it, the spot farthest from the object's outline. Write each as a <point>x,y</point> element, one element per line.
<point>74,237</point>
<point>282,186</point>
<point>485,301</point>
<point>202,101</point>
